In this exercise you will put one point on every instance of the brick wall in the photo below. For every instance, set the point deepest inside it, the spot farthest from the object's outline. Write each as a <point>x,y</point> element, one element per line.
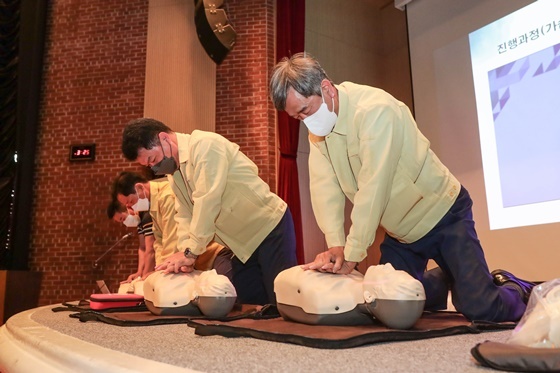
<point>93,83</point>
<point>244,113</point>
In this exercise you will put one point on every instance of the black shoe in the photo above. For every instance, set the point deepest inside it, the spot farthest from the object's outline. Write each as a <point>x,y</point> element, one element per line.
<point>524,287</point>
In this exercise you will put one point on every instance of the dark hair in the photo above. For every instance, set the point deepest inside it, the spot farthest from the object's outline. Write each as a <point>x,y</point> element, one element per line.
<point>114,207</point>
<point>141,133</point>
<point>124,183</point>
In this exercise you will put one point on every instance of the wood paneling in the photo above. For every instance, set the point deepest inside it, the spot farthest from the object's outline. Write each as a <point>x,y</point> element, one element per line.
<point>180,77</point>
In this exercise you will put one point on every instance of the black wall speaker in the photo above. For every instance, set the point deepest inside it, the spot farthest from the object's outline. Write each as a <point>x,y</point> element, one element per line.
<point>215,34</point>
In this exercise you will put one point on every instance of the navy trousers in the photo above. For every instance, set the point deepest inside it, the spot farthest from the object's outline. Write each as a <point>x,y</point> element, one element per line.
<point>254,279</point>
<point>453,244</point>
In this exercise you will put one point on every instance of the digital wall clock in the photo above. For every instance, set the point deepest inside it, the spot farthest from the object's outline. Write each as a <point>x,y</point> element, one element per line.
<point>82,152</point>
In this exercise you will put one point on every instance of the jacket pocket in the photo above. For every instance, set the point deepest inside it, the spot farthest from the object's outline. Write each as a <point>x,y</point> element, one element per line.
<point>405,196</point>
<point>241,218</point>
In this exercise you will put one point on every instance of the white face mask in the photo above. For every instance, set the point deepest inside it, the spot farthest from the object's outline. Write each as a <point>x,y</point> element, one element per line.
<point>322,121</point>
<point>132,221</point>
<point>143,204</point>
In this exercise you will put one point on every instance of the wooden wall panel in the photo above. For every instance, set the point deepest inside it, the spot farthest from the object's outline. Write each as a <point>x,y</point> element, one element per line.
<point>180,77</point>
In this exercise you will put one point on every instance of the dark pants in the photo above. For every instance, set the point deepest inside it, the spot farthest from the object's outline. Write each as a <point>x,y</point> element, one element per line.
<point>222,263</point>
<point>254,279</point>
<point>453,244</point>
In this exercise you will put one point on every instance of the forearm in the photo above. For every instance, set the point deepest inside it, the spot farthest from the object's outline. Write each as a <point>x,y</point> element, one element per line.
<point>327,197</point>
<point>211,166</point>
<point>380,151</point>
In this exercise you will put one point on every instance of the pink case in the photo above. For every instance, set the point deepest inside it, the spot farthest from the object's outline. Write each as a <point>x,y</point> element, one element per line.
<point>104,301</point>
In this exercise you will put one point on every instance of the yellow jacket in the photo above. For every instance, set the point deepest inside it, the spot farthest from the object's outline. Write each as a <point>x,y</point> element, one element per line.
<point>220,197</point>
<point>162,210</point>
<point>378,159</point>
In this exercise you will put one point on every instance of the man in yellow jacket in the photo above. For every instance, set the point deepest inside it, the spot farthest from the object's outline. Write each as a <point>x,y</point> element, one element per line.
<point>365,146</point>
<point>219,196</point>
<point>133,190</point>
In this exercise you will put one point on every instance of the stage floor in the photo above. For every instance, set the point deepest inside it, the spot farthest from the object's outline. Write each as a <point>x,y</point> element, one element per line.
<point>44,341</point>
<point>27,345</point>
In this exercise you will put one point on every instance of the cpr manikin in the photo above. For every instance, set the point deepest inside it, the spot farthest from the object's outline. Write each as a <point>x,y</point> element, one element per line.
<point>189,294</point>
<point>393,297</point>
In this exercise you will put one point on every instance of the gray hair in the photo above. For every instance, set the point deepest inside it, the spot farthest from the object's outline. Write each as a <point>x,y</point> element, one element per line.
<point>302,72</point>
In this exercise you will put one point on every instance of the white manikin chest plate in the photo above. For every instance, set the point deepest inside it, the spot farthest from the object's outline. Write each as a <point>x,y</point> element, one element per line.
<point>319,293</point>
<point>170,290</point>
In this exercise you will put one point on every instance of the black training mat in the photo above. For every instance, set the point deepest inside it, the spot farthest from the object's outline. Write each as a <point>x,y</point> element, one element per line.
<point>137,316</point>
<point>513,358</point>
<point>430,325</point>
<point>265,323</point>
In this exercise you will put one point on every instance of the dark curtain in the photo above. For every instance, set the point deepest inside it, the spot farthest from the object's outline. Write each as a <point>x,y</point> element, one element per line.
<point>22,27</point>
<point>290,24</point>
<point>9,36</point>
